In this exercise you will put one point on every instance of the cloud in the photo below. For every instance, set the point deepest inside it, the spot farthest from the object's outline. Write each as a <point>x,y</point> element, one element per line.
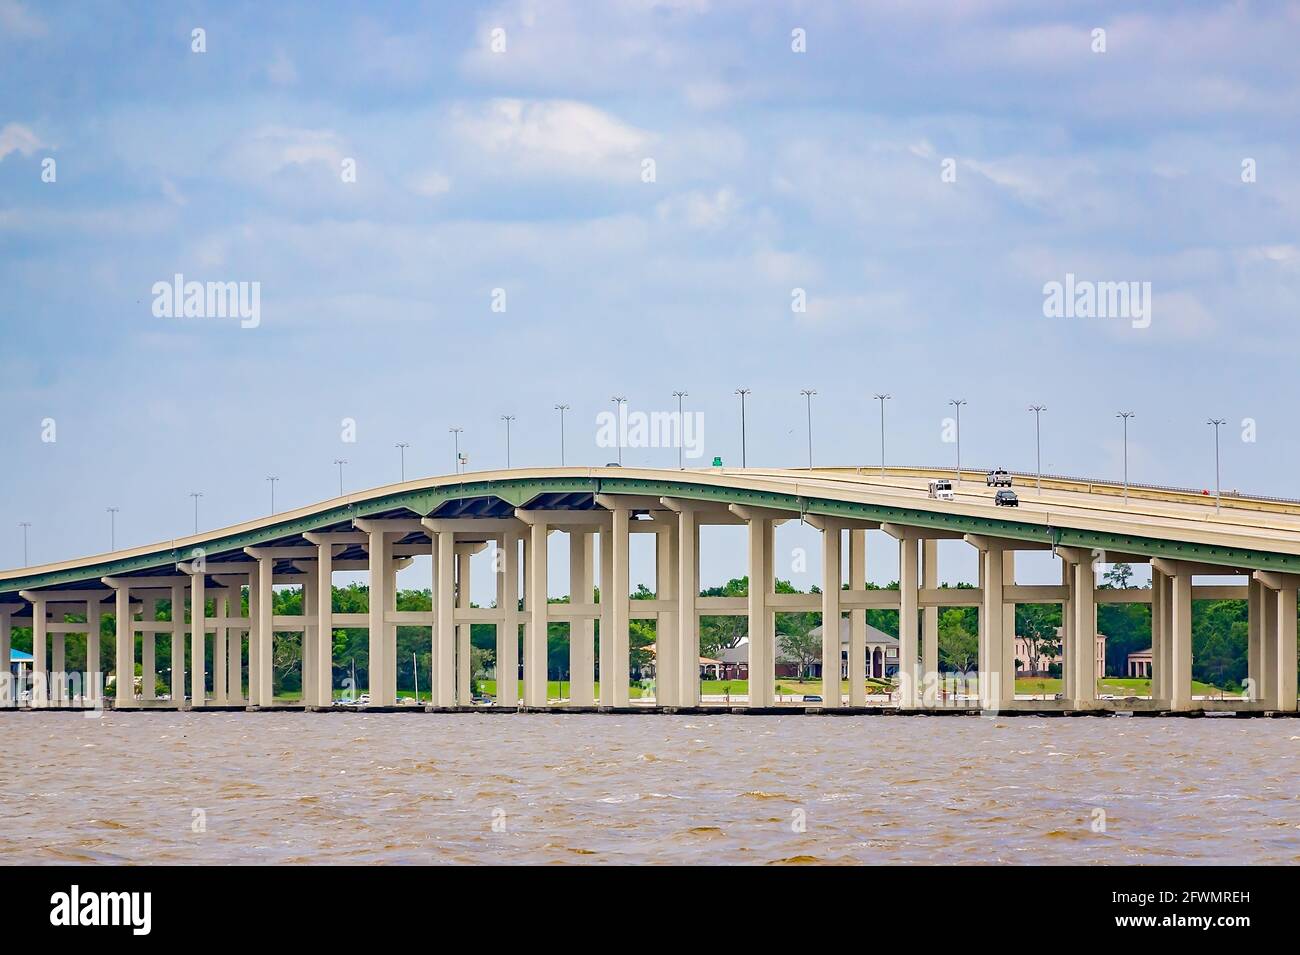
<point>17,20</point>
<point>15,137</point>
<point>431,183</point>
<point>268,150</point>
<point>700,210</point>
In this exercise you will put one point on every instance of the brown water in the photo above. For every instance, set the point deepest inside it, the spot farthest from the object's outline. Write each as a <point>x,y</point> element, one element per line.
<point>422,788</point>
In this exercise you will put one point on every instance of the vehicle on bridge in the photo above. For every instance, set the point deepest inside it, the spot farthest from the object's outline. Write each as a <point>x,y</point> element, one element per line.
<point>1006,499</point>
<point>998,477</point>
<point>941,489</point>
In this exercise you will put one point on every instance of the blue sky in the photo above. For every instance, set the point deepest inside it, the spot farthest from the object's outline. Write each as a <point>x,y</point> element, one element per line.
<point>522,170</point>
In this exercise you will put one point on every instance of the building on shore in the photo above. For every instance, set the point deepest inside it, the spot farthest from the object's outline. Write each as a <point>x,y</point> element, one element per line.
<point>1026,658</point>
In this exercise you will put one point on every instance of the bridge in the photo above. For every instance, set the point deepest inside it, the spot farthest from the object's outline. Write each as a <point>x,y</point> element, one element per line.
<point>1181,534</point>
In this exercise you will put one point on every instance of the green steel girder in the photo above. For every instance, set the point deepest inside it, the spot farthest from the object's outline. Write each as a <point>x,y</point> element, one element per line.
<point>522,491</point>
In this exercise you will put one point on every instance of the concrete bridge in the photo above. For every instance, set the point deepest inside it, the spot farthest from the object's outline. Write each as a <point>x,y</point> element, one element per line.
<point>1181,534</point>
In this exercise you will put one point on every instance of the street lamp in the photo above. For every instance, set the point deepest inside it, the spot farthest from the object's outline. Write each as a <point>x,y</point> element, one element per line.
<point>882,398</point>
<point>196,495</point>
<point>742,392</point>
<point>619,401</point>
<point>957,403</point>
<point>679,395</point>
<point>1126,415</point>
<point>1216,422</point>
<point>1038,444</point>
<point>112,527</point>
<point>507,418</point>
<point>340,462</point>
<point>561,409</point>
<point>455,437</point>
<point>808,396</point>
<point>271,481</point>
<point>401,448</point>
<point>24,525</point>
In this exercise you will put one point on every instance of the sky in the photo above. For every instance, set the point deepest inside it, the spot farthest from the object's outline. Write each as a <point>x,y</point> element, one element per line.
<point>453,212</point>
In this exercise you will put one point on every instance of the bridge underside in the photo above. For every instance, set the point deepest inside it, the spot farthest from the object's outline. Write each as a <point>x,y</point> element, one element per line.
<point>598,510</point>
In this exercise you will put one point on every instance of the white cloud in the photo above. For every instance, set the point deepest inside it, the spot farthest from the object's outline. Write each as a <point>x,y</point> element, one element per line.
<point>15,137</point>
<point>269,149</point>
<point>17,20</point>
<point>431,183</point>
<point>700,210</point>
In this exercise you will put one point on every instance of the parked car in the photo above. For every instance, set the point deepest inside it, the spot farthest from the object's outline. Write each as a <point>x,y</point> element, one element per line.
<point>1006,499</point>
<point>998,477</point>
<point>941,489</point>
<point>812,698</point>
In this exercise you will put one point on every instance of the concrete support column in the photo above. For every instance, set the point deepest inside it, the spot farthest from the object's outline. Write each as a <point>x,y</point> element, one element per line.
<point>582,633</point>
<point>235,654</point>
<point>254,632</point>
<point>124,658</point>
<point>831,571</point>
<point>323,659</point>
<point>507,666</point>
<point>148,650</point>
<point>40,666</point>
<point>930,626</point>
<point>1084,634</point>
<point>59,667</point>
<point>535,597</point>
<point>688,619</point>
<point>265,630</point>
<point>198,636</point>
<point>222,604</point>
<point>93,689</point>
<point>1254,638</point>
<point>620,597</point>
<point>909,580</point>
<point>310,645</point>
<point>1180,674</point>
<point>444,625</point>
<point>1286,646</point>
<point>178,644</point>
<point>8,691</point>
<point>993,678</point>
<point>1159,594</point>
<point>668,652</point>
<point>389,630</point>
<point>463,674</point>
<point>606,662</point>
<point>1008,629</point>
<point>857,620</point>
<point>378,560</point>
<point>1268,641</point>
<point>761,641</point>
<point>1067,630</point>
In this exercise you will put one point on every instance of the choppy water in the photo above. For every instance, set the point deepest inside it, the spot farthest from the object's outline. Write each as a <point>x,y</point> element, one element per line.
<point>420,788</point>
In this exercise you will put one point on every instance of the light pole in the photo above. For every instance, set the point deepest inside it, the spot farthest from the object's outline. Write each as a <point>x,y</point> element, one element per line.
<point>679,395</point>
<point>24,525</point>
<point>957,403</point>
<point>271,480</point>
<point>808,396</point>
<point>561,409</point>
<point>619,401</point>
<point>742,392</point>
<point>340,462</point>
<point>196,495</point>
<point>882,398</point>
<point>112,527</point>
<point>455,437</point>
<point>1126,415</point>
<point>401,449</point>
<point>1216,422</point>
<point>1038,444</point>
<point>507,418</point>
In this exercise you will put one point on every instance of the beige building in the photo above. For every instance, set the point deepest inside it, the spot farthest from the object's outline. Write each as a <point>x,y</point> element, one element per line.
<point>1025,656</point>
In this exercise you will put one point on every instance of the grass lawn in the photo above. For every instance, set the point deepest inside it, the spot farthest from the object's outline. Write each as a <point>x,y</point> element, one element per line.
<point>1114,686</point>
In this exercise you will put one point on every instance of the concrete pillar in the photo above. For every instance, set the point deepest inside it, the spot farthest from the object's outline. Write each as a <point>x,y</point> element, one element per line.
<point>323,659</point>
<point>444,625</point>
<point>761,641</point>
<point>265,631</point>
<point>149,651</point>
<point>688,619</point>
<point>1008,629</point>
<point>857,620</point>
<point>1180,674</point>
<point>1268,642</point>
<point>198,637</point>
<point>40,667</point>
<point>309,646</point>
<point>93,689</point>
<point>1254,638</point>
<point>668,652</point>
<point>993,678</point>
<point>388,637</point>
<point>606,662</point>
<point>1084,634</point>
<point>1159,592</point>
<point>535,635</point>
<point>620,596</point>
<point>377,601</point>
<point>8,691</point>
<point>930,626</point>
<point>831,571</point>
<point>507,665</point>
<point>59,667</point>
<point>235,654</point>
<point>178,644</point>
<point>124,658</point>
<point>254,631</point>
<point>221,605</point>
<point>463,670</point>
<point>1067,631</point>
<point>908,623</point>
<point>1286,646</point>
<point>582,633</point>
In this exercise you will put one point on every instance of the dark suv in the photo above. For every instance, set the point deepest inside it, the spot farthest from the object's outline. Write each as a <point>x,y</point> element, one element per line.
<point>1006,499</point>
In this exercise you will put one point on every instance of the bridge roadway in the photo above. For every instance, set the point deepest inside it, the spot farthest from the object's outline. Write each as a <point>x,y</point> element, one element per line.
<point>1253,540</point>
